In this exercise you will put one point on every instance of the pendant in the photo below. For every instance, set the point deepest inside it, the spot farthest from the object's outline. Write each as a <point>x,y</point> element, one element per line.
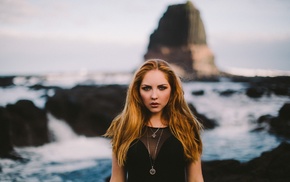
<point>153,135</point>
<point>152,171</point>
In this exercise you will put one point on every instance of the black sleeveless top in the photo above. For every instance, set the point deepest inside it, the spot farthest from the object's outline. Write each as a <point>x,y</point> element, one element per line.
<point>169,161</point>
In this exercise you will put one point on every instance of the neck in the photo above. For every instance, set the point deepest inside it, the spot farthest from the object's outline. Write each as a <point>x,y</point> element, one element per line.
<point>156,121</point>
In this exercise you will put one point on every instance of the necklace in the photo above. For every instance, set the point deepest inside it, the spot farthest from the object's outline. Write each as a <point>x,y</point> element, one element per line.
<point>154,133</point>
<point>152,171</point>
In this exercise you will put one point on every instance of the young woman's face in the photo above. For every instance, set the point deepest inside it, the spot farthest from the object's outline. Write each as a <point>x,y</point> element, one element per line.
<point>155,91</point>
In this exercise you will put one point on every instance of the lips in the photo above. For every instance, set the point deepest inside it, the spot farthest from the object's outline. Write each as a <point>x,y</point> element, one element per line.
<point>154,104</point>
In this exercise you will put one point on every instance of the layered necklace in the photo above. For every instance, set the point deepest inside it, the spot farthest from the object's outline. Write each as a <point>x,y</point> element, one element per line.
<point>152,171</point>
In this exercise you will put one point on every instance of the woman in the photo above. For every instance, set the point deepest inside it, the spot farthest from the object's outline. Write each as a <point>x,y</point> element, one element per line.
<point>156,137</point>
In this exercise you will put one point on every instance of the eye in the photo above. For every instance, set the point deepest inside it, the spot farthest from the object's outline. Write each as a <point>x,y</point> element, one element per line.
<point>146,88</point>
<point>162,87</point>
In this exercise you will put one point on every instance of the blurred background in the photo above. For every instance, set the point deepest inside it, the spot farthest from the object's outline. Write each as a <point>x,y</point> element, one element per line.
<point>38,37</point>
<point>59,59</point>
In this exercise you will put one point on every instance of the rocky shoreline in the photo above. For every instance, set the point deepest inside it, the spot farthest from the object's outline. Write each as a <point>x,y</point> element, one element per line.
<point>90,109</point>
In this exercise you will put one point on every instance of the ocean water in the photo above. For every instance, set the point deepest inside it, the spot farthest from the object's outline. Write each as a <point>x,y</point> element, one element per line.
<point>78,158</point>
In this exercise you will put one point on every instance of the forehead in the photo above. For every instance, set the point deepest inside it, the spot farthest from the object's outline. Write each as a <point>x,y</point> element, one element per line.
<point>155,77</point>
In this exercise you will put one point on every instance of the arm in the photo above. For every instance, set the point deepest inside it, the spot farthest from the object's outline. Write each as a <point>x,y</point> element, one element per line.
<point>118,172</point>
<point>194,171</point>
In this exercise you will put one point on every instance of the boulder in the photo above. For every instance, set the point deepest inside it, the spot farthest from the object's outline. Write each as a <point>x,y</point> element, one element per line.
<point>5,140</point>
<point>27,124</point>
<point>6,81</point>
<point>89,110</point>
<point>279,125</point>
<point>180,39</point>
<point>255,92</point>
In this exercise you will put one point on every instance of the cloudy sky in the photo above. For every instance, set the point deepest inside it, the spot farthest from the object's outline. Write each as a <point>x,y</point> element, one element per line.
<point>41,36</point>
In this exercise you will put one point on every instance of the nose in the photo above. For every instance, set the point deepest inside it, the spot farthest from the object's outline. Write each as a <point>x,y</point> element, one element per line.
<point>154,95</point>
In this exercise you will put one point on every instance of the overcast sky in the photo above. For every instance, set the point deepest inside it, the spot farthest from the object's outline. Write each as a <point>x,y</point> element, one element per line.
<point>38,36</point>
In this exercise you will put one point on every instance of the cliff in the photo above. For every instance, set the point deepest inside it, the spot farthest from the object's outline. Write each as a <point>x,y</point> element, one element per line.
<point>180,39</point>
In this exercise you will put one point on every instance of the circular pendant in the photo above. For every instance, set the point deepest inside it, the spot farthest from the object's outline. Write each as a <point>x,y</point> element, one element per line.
<point>152,171</point>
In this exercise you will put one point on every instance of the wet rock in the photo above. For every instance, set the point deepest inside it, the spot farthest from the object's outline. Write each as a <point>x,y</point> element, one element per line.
<point>279,125</point>
<point>198,92</point>
<point>5,140</point>
<point>206,122</point>
<point>89,110</point>
<point>28,124</point>
<point>279,85</point>
<point>270,166</point>
<point>284,112</point>
<point>255,92</point>
<point>227,93</point>
<point>6,81</point>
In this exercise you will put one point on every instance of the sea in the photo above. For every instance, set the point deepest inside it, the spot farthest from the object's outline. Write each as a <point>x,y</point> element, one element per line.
<point>74,158</point>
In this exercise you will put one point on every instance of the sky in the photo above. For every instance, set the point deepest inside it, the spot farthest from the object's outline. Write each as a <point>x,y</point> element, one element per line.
<point>43,36</point>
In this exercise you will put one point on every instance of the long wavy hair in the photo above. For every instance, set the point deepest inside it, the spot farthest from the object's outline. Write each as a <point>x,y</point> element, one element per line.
<point>128,125</point>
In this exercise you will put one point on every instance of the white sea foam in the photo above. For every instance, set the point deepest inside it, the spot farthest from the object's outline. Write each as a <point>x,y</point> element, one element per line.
<point>59,129</point>
<point>236,116</point>
<point>10,95</point>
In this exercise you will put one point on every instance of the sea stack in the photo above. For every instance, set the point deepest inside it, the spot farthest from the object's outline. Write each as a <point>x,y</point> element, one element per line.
<point>180,39</point>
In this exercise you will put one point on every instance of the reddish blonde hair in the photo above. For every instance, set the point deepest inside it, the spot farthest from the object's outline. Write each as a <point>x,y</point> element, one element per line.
<point>127,126</point>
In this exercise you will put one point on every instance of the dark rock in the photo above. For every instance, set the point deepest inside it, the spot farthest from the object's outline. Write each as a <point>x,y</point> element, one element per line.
<point>180,39</point>
<point>255,92</point>
<point>270,166</point>
<point>28,124</point>
<point>279,125</point>
<point>279,85</point>
<point>284,112</point>
<point>206,122</point>
<point>6,81</point>
<point>5,140</point>
<point>228,92</point>
<point>42,87</point>
<point>265,118</point>
<point>198,92</point>
<point>89,110</point>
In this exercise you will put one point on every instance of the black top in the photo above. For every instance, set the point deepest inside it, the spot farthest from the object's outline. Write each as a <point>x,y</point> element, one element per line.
<point>169,161</point>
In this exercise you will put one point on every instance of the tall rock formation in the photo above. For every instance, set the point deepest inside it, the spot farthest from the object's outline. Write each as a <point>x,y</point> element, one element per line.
<point>180,39</point>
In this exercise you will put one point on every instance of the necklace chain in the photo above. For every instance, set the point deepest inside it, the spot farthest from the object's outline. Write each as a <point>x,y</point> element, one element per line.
<point>154,133</point>
<point>152,171</point>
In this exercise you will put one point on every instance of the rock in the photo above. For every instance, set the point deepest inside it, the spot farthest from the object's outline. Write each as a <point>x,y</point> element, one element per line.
<point>6,81</point>
<point>284,112</point>
<point>207,123</point>
<point>279,85</point>
<point>5,140</point>
<point>255,92</point>
<point>270,166</point>
<point>279,125</point>
<point>180,39</point>
<point>228,92</point>
<point>28,124</point>
<point>89,110</point>
<point>198,92</point>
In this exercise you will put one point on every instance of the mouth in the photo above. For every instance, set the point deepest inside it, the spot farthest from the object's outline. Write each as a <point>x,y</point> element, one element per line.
<point>154,104</point>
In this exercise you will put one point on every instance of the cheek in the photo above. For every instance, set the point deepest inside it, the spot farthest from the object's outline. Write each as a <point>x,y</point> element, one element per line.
<point>167,96</point>
<point>144,96</point>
